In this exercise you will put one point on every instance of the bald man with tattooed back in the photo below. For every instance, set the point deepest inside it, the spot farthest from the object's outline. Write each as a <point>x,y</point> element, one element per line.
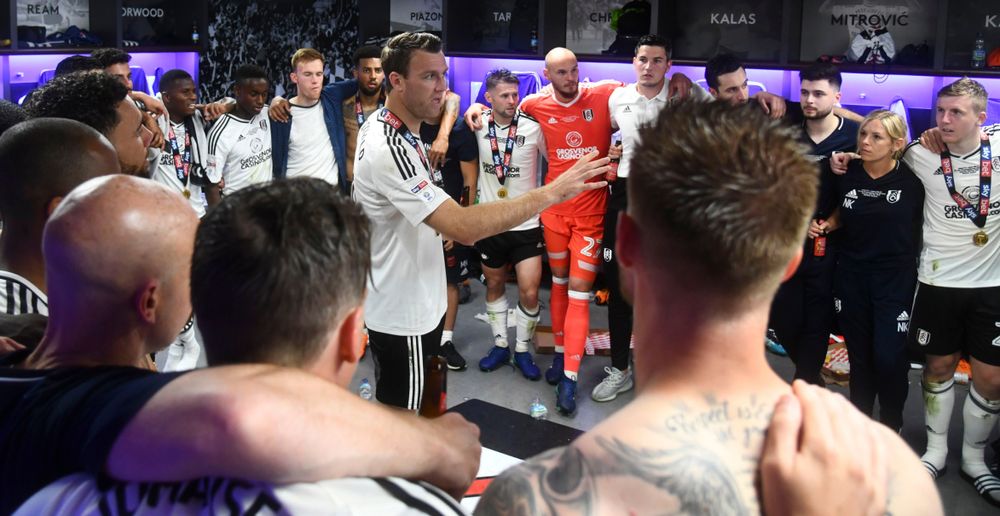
<point>711,231</point>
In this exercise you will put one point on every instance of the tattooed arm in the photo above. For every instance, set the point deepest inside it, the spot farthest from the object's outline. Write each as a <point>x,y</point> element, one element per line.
<point>449,114</point>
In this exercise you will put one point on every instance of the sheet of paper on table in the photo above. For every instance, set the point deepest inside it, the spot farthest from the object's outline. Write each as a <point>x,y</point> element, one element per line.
<point>491,464</point>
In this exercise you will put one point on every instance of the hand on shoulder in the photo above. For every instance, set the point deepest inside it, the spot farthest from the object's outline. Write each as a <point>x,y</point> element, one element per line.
<point>823,456</point>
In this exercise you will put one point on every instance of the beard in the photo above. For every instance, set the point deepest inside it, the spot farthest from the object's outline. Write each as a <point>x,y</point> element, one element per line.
<point>369,92</point>
<point>819,114</point>
<point>136,169</point>
<point>569,91</point>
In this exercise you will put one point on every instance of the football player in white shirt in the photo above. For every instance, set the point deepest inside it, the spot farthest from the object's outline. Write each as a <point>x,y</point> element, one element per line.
<point>957,307</point>
<point>181,163</point>
<point>239,144</point>
<point>181,166</point>
<point>510,143</point>
<point>405,310</point>
<point>631,107</point>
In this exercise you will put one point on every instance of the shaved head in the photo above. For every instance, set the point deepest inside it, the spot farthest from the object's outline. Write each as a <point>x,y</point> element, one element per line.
<point>118,249</point>
<point>42,159</point>
<point>562,71</point>
<point>559,55</point>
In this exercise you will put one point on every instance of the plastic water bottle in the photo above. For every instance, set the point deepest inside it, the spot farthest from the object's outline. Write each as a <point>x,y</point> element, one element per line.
<point>194,34</point>
<point>534,41</point>
<point>365,390</point>
<point>979,52</point>
<point>538,409</point>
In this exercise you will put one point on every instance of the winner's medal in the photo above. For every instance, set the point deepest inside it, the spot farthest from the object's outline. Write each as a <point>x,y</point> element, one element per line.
<point>182,161</point>
<point>501,164</point>
<point>977,216</point>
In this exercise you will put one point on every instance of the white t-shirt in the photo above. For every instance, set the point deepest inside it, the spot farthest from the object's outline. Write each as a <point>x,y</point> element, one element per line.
<point>948,257</point>
<point>310,152</point>
<point>240,150</point>
<point>165,172</point>
<point>408,294</point>
<point>523,174</point>
<point>79,495</point>
<point>631,110</point>
<point>20,296</point>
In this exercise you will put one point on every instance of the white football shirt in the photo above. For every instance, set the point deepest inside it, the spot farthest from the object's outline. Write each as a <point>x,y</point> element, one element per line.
<point>408,294</point>
<point>523,172</point>
<point>631,110</point>
<point>80,494</point>
<point>165,172</point>
<point>20,296</point>
<point>240,151</point>
<point>948,257</point>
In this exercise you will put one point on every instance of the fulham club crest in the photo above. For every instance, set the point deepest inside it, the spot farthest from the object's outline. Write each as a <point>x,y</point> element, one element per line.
<point>893,196</point>
<point>588,114</point>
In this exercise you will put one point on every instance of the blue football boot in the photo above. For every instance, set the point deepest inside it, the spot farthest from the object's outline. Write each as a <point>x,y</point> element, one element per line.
<point>497,357</point>
<point>555,372</point>
<point>566,397</point>
<point>527,366</point>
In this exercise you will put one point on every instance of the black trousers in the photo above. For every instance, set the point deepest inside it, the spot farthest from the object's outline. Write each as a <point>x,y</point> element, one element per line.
<point>802,314</point>
<point>619,311</point>
<point>874,317</point>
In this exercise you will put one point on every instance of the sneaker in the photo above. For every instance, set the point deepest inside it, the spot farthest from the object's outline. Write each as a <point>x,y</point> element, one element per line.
<point>933,471</point>
<point>566,397</point>
<point>987,485</point>
<point>455,360</point>
<point>775,348</point>
<point>527,366</point>
<point>614,383</point>
<point>494,359</point>
<point>555,372</point>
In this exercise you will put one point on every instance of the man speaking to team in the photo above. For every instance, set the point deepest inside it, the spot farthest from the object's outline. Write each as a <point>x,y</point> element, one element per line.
<point>409,214</point>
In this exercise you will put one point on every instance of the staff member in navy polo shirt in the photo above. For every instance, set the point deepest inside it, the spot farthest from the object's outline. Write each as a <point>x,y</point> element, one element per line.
<point>880,216</point>
<point>802,313</point>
